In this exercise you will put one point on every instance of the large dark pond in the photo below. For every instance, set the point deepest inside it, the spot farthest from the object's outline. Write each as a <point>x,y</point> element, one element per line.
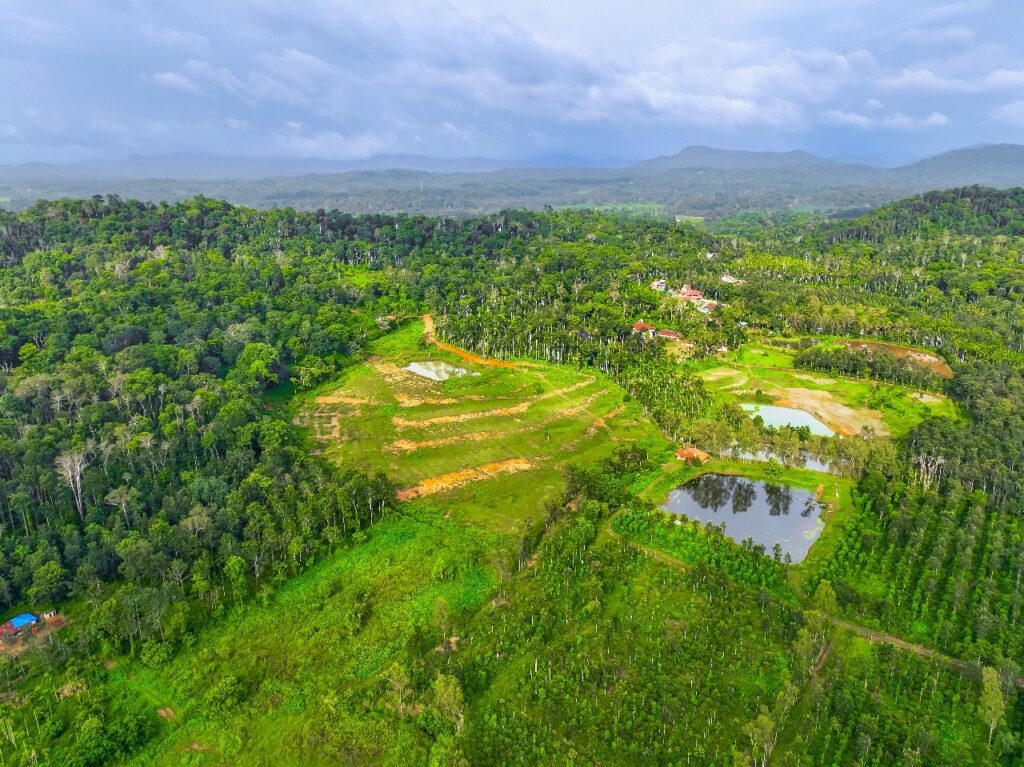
<point>750,508</point>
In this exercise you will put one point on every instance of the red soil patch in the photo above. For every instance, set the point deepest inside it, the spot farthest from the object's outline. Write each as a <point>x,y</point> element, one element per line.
<point>454,479</point>
<point>926,359</point>
<point>461,417</point>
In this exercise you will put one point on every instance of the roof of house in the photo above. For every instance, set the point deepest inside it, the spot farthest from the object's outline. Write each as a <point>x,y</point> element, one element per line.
<point>642,326</point>
<point>692,454</point>
<point>665,333</point>
<point>22,620</point>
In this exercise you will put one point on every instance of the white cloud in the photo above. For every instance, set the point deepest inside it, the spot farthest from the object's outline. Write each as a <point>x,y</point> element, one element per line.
<point>170,36</point>
<point>937,35</point>
<point>894,121</point>
<point>291,141</point>
<point>843,117</point>
<point>900,121</point>
<point>926,79</point>
<point>175,80</point>
<point>1012,113</point>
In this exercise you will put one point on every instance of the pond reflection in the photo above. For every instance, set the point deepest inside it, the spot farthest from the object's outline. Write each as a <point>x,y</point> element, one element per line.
<point>767,512</point>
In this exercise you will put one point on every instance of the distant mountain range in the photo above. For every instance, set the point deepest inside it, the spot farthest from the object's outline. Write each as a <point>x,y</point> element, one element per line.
<point>698,180</point>
<point>732,159</point>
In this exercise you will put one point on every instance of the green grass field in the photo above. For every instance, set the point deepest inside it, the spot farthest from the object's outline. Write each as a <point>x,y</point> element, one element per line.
<point>757,372</point>
<point>302,676</point>
<point>489,447</point>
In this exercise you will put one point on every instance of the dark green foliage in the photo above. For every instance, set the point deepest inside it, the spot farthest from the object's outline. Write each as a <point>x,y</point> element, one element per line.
<point>867,363</point>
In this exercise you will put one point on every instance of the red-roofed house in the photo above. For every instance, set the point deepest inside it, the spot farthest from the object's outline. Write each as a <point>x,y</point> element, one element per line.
<point>689,293</point>
<point>692,455</point>
<point>643,327</point>
<point>671,335</point>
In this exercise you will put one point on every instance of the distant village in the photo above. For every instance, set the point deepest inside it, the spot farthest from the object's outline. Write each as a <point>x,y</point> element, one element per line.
<point>690,295</point>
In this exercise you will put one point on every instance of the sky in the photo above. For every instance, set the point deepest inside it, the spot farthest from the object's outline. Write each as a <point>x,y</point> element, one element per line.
<point>887,80</point>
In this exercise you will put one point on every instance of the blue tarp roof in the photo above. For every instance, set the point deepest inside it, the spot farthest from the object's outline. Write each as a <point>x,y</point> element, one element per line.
<point>23,620</point>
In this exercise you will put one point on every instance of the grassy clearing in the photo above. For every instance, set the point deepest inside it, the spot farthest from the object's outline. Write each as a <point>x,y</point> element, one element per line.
<point>428,435</point>
<point>761,373</point>
<point>300,678</point>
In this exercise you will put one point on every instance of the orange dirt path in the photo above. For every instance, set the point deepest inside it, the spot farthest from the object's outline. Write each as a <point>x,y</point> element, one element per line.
<point>428,325</point>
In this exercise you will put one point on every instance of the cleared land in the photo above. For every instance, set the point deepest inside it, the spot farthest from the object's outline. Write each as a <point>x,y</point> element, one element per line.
<point>491,447</point>
<point>765,374</point>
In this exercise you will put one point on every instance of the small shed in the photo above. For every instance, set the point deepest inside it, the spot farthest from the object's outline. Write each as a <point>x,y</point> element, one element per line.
<point>19,622</point>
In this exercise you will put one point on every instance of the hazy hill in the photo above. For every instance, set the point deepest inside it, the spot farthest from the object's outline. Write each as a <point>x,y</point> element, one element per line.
<point>998,165</point>
<point>731,159</point>
<point>698,180</point>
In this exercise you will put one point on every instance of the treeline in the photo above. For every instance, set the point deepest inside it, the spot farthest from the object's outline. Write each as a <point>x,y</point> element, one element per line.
<point>879,364</point>
<point>136,444</point>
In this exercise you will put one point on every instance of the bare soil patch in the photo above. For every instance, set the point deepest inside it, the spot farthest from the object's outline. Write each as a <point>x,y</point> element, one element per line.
<point>454,479</point>
<point>926,359</point>
<point>460,417</point>
<point>813,379</point>
<point>834,414</point>
<point>410,445</point>
<point>602,423</point>
<point>341,399</point>
<point>717,373</point>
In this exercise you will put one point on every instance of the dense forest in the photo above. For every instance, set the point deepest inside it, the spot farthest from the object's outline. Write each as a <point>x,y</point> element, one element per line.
<point>155,486</point>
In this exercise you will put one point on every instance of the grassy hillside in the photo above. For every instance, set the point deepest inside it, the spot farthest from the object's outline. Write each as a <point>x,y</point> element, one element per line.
<point>302,678</point>
<point>490,446</point>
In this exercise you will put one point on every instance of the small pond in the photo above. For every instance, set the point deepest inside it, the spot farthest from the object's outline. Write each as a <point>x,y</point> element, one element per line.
<point>766,512</point>
<point>804,460</point>
<point>436,370</point>
<point>776,416</point>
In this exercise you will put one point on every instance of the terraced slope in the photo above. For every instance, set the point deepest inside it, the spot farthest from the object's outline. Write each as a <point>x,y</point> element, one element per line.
<point>492,445</point>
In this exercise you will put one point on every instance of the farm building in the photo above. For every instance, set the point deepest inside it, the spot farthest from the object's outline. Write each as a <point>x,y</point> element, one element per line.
<point>692,455</point>
<point>728,279</point>
<point>18,623</point>
<point>671,335</point>
<point>659,285</point>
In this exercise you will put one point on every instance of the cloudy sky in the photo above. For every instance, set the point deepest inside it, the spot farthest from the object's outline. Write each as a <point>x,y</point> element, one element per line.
<point>886,79</point>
